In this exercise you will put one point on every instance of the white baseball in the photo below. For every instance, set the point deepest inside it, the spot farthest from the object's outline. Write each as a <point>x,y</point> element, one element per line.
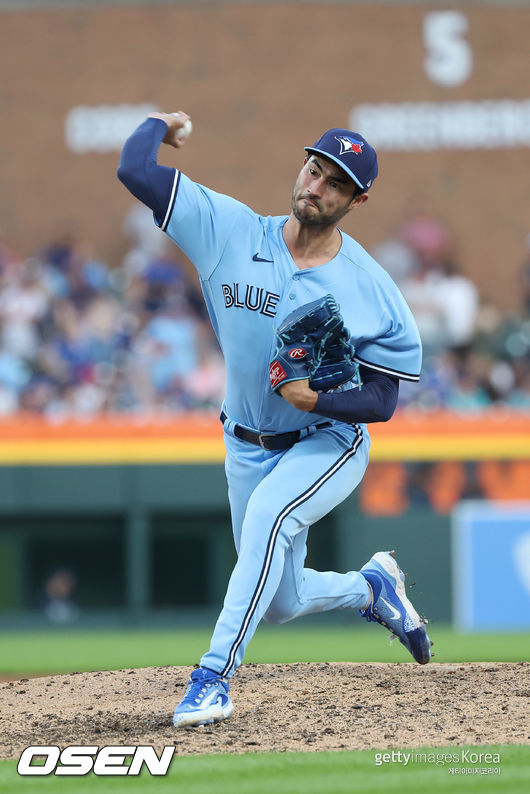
<point>186,130</point>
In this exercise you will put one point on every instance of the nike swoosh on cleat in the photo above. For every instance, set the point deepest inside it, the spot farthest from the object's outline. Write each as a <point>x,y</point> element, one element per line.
<point>395,612</point>
<point>257,258</point>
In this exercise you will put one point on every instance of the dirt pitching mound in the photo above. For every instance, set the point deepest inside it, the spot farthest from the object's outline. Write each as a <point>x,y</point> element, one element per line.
<point>279,707</point>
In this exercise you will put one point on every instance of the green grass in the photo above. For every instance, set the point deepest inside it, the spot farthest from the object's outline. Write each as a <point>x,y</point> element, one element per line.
<point>297,773</point>
<point>263,773</point>
<point>66,651</point>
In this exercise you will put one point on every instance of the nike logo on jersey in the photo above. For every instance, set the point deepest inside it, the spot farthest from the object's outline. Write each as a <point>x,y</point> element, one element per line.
<point>396,614</point>
<point>257,258</point>
<point>247,296</point>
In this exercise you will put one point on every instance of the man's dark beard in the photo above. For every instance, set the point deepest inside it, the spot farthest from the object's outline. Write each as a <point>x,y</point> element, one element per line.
<point>322,219</point>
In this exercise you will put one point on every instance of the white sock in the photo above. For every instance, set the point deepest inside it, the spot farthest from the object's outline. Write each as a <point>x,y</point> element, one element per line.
<point>371,598</point>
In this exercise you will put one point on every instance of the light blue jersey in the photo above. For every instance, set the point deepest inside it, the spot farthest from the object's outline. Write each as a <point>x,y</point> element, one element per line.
<point>251,283</point>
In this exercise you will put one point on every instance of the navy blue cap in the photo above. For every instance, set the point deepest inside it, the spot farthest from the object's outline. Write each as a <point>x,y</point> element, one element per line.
<point>349,150</point>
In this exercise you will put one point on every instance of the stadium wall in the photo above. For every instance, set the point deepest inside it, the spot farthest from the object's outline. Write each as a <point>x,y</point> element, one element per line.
<point>449,96</point>
<point>125,505</point>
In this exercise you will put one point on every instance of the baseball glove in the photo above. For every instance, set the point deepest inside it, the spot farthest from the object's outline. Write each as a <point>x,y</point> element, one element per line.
<point>313,343</point>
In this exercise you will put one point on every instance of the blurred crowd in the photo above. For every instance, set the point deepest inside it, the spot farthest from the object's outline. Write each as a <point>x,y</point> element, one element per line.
<point>80,338</point>
<point>474,356</point>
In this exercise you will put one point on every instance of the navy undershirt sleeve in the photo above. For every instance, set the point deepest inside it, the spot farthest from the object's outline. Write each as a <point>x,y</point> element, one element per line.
<point>139,171</point>
<point>375,402</point>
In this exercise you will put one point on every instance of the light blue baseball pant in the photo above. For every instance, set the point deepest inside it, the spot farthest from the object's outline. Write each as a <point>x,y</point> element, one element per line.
<point>274,498</point>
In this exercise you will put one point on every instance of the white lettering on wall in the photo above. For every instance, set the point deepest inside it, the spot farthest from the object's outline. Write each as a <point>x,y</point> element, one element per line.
<point>449,60</point>
<point>427,126</point>
<point>102,128</point>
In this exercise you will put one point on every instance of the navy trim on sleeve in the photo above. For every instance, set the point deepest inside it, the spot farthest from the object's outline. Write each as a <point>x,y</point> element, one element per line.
<point>172,198</point>
<point>387,370</point>
<point>375,402</point>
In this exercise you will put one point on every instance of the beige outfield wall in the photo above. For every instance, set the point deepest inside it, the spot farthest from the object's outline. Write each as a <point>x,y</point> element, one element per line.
<point>262,81</point>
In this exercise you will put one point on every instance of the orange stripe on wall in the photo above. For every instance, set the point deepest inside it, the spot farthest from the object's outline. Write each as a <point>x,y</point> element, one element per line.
<point>195,438</point>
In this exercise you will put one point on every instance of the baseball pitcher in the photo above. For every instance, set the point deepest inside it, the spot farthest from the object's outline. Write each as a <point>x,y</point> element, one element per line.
<point>315,337</point>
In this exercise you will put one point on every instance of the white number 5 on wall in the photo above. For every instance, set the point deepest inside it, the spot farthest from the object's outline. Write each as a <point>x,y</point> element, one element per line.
<point>449,60</point>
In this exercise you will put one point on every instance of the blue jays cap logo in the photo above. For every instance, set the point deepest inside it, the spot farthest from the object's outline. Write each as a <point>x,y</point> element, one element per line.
<point>348,144</point>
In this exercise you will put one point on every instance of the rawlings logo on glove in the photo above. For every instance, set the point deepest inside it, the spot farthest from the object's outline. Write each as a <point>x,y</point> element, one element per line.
<point>313,343</point>
<point>297,352</point>
<point>277,374</point>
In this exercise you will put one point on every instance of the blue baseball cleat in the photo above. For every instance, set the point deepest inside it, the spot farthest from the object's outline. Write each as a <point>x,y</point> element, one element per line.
<point>206,700</point>
<point>391,608</point>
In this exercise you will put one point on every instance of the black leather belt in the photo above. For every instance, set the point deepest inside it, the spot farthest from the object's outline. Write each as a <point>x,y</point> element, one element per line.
<point>269,441</point>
